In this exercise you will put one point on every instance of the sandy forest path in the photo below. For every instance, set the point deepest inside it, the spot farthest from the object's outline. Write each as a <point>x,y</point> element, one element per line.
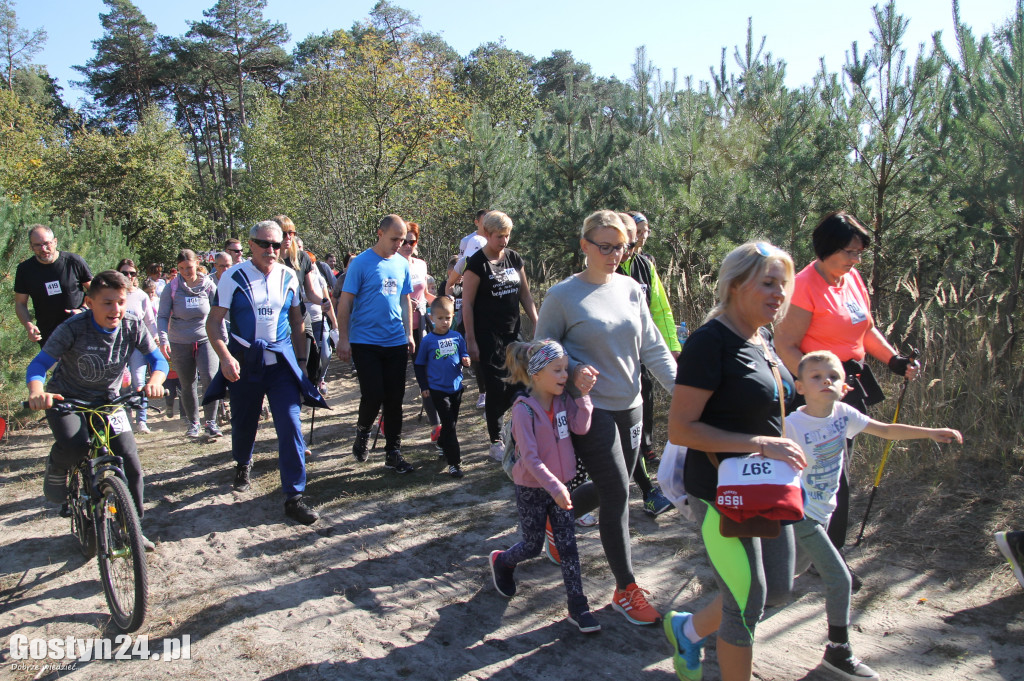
<point>393,583</point>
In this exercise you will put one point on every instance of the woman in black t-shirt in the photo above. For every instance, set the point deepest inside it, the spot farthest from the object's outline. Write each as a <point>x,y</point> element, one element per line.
<point>493,287</point>
<point>726,401</point>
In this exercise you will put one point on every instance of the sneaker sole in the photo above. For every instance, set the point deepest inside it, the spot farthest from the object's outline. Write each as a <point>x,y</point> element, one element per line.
<point>625,614</point>
<point>1004,548</point>
<point>852,677</point>
<point>494,575</point>
<point>586,630</point>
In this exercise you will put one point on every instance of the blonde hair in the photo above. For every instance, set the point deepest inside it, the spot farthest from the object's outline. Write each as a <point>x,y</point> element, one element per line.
<point>603,218</point>
<point>286,225</point>
<point>442,304</point>
<point>517,360</point>
<point>627,223</point>
<point>824,357</point>
<point>745,262</point>
<point>495,221</point>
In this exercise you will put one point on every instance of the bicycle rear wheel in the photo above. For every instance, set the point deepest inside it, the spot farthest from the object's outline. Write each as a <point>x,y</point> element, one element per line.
<point>122,557</point>
<point>82,526</point>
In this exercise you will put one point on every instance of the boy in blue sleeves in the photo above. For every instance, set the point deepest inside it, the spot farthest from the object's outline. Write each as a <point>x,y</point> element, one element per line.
<point>438,366</point>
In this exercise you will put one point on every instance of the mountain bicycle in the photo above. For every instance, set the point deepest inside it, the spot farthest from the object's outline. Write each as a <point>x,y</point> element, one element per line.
<point>103,517</point>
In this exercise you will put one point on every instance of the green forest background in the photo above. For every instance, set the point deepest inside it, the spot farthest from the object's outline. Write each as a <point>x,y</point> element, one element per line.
<point>191,139</point>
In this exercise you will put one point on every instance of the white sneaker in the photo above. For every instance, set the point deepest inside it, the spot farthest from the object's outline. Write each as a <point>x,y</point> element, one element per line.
<point>497,451</point>
<point>141,427</point>
<point>481,401</point>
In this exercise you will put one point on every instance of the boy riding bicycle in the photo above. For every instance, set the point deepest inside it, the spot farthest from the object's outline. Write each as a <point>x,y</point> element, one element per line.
<point>91,351</point>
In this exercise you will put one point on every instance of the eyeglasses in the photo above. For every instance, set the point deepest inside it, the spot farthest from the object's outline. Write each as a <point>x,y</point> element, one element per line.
<point>269,245</point>
<point>51,242</point>
<point>854,254</point>
<point>767,250</point>
<point>291,233</point>
<point>234,250</point>
<point>129,273</point>
<point>608,249</point>
<point>411,242</point>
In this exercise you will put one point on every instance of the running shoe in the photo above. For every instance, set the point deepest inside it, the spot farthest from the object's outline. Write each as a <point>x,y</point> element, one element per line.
<point>296,509</point>
<point>550,550</point>
<point>359,446</point>
<point>502,577</point>
<point>840,659</point>
<point>55,483</point>
<point>481,401</point>
<point>586,622</point>
<point>141,427</point>
<point>655,503</point>
<point>322,387</point>
<point>587,520</point>
<point>497,451</point>
<point>685,653</point>
<point>149,546</point>
<point>396,462</point>
<point>213,430</point>
<point>632,603</point>
<point>435,433</point>
<point>193,431</point>
<point>1011,545</point>
<point>241,478</point>
<point>455,471</point>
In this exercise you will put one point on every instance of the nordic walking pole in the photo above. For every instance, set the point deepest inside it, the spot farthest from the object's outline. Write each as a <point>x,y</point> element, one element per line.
<point>885,452</point>
<point>312,420</point>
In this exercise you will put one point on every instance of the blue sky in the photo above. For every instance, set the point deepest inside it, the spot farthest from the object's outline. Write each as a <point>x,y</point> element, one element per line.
<point>679,34</point>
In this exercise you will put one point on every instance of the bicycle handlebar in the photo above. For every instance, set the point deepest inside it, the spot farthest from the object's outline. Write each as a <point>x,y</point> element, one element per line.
<point>71,404</point>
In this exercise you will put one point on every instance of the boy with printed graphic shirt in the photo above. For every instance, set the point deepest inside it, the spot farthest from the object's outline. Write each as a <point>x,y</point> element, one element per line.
<point>439,363</point>
<point>821,428</point>
<point>91,351</point>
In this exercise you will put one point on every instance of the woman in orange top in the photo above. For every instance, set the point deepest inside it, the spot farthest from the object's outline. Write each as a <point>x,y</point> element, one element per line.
<point>831,310</point>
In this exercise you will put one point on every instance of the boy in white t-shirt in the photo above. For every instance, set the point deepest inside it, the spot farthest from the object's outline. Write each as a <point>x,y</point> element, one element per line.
<point>821,428</point>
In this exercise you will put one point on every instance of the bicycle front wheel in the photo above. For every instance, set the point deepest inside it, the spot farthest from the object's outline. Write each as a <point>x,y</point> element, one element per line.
<point>122,556</point>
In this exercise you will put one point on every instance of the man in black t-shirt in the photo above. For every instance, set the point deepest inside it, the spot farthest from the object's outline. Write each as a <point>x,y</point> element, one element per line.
<point>55,281</point>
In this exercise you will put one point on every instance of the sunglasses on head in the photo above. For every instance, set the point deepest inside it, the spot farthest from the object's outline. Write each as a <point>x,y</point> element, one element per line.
<point>269,245</point>
<point>767,250</point>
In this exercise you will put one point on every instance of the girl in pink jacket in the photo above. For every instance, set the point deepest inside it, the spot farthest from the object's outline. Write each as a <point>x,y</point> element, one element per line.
<point>541,423</point>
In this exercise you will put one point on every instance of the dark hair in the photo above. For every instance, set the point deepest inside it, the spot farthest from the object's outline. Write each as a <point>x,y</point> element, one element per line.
<point>442,303</point>
<point>347,258</point>
<point>328,256</point>
<point>154,267</point>
<point>835,231</point>
<point>480,213</point>
<point>108,279</point>
<point>126,261</point>
<point>187,255</point>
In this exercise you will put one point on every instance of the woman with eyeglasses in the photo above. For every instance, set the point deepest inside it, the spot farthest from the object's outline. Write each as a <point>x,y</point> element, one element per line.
<point>420,298</point>
<point>602,320</point>
<point>181,320</point>
<point>141,306</point>
<point>831,310</point>
<point>494,286</point>
<point>727,403</point>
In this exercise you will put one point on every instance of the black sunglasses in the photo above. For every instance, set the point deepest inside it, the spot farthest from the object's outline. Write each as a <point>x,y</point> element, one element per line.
<point>129,273</point>
<point>269,245</point>
<point>234,250</point>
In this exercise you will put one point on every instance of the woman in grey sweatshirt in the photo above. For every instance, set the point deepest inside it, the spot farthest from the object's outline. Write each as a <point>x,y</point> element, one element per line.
<point>181,320</point>
<point>602,320</point>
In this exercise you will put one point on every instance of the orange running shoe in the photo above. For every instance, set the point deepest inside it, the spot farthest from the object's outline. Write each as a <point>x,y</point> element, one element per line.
<point>632,602</point>
<point>550,550</point>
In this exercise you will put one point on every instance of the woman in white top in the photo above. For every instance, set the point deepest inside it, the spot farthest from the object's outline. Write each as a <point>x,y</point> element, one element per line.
<point>141,306</point>
<point>421,298</point>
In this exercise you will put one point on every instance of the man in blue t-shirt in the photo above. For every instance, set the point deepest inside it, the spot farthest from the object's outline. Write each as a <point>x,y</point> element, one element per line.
<point>264,355</point>
<point>375,327</point>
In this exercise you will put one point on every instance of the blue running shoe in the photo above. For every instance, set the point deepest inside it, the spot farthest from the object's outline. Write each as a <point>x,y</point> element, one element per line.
<point>686,655</point>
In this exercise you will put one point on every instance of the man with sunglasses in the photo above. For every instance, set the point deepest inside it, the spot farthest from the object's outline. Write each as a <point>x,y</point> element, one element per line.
<point>640,267</point>
<point>233,247</point>
<point>263,358</point>
<point>55,281</point>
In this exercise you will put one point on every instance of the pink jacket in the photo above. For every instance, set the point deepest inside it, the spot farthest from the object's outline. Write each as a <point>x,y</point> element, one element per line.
<point>546,458</point>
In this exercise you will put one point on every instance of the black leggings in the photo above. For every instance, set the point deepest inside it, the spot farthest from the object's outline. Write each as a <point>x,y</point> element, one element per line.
<point>499,393</point>
<point>381,373</point>
<point>609,454</point>
<point>71,443</point>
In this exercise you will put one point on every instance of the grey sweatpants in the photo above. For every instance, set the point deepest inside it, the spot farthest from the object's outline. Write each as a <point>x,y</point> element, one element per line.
<point>188,359</point>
